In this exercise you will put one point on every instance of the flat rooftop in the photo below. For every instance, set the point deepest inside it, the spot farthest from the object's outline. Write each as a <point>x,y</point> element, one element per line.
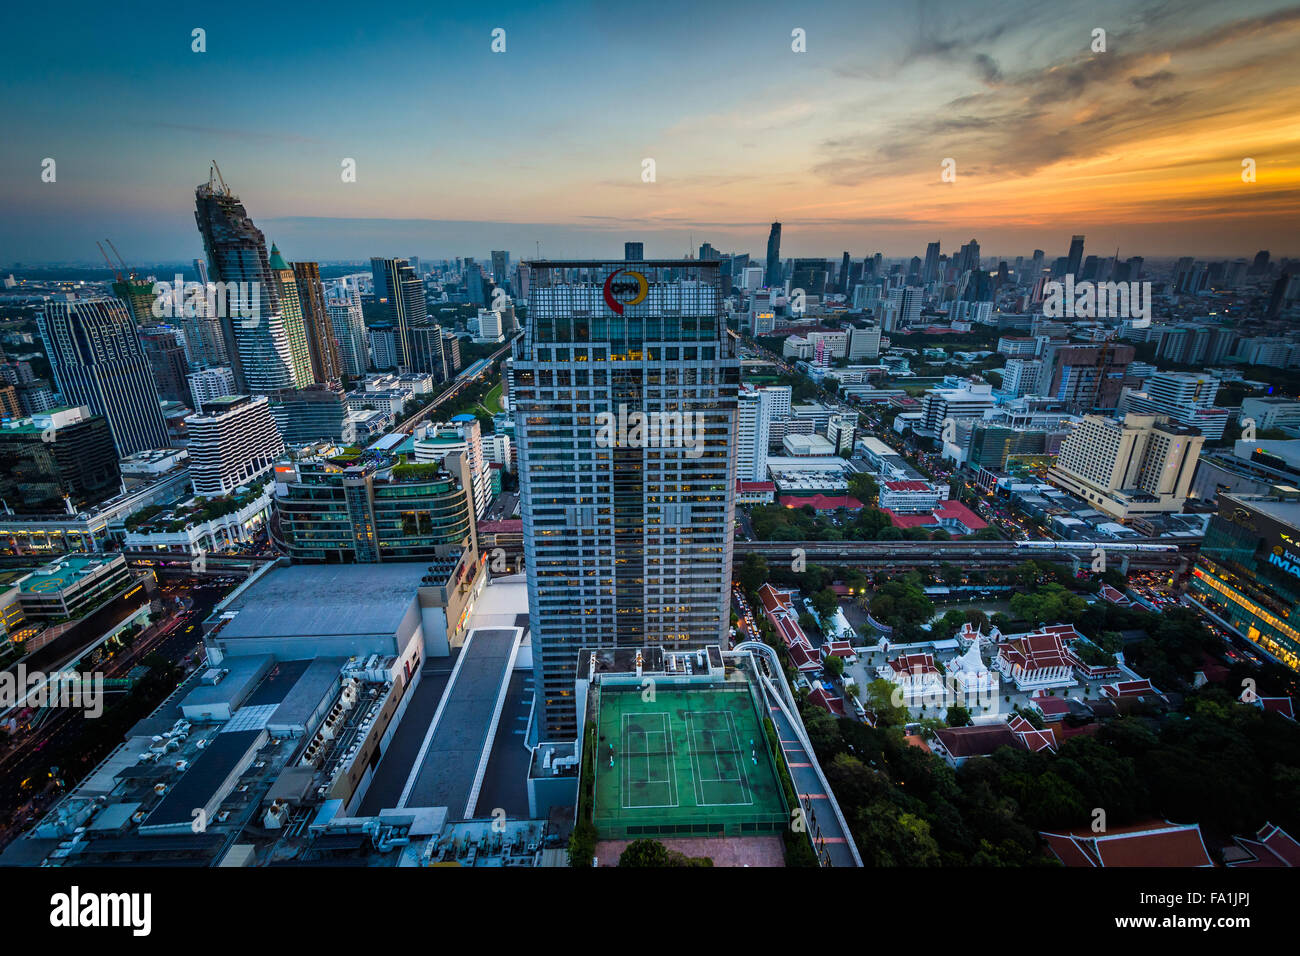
<point>65,573</point>
<point>201,781</point>
<point>458,741</point>
<point>325,601</point>
<point>693,760</point>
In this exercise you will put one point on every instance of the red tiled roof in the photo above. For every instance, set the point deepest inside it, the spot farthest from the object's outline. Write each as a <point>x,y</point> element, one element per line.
<point>837,649</point>
<point>756,486</point>
<point>1279,705</point>
<point>1052,708</point>
<point>946,509</point>
<point>1130,688</point>
<point>1159,843</point>
<point>1114,596</point>
<point>979,740</point>
<point>1036,651</point>
<point>914,664</point>
<point>824,700</point>
<point>907,485</point>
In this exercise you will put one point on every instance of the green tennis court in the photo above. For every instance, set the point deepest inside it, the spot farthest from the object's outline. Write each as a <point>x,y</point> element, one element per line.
<point>683,760</point>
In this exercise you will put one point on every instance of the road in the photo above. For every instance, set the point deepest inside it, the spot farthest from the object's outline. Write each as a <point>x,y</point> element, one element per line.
<point>26,759</point>
<point>408,426</point>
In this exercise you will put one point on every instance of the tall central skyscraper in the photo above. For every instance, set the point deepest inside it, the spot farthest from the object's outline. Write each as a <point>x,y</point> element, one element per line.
<point>627,532</point>
<point>258,346</point>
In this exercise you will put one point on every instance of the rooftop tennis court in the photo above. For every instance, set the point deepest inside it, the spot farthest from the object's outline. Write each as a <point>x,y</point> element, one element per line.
<point>685,760</point>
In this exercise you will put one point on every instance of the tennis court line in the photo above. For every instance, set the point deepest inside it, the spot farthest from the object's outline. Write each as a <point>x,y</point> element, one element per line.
<point>670,779</point>
<point>699,781</point>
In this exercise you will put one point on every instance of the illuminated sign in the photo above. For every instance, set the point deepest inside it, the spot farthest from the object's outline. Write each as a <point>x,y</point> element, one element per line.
<point>620,293</point>
<point>1289,562</point>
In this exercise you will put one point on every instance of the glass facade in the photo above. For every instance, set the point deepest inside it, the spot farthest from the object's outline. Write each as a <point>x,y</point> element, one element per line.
<point>334,511</point>
<point>1248,574</point>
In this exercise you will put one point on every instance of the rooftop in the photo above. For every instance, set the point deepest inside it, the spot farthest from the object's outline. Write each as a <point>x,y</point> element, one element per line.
<point>313,601</point>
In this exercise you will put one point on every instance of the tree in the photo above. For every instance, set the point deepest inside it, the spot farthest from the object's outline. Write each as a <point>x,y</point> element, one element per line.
<point>880,701</point>
<point>825,602</point>
<point>645,853</point>
<point>753,572</point>
<point>959,716</point>
<point>582,843</point>
<point>834,666</point>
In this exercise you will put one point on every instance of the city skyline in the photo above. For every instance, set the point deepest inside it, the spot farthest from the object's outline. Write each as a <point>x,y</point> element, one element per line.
<point>1138,147</point>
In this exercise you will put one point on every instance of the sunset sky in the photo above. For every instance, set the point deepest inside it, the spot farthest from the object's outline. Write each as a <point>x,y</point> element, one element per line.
<point>460,150</point>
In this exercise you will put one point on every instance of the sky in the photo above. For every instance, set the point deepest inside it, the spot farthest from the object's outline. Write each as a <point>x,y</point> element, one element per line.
<point>542,147</point>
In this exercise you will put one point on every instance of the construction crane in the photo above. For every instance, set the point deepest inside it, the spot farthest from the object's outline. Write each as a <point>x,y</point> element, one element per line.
<point>111,268</point>
<point>214,174</point>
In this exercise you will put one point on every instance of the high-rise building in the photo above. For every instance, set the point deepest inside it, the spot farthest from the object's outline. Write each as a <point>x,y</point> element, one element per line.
<point>10,406</point>
<point>1087,377</point>
<point>97,361</point>
<point>62,455</point>
<point>1184,397</point>
<point>432,352</point>
<point>500,267</point>
<point>406,304</point>
<point>209,383</point>
<point>167,361</point>
<point>312,414</point>
<point>291,315</point>
<point>627,530</point>
<point>809,275</point>
<point>1248,572</point>
<point>346,510</point>
<point>1141,465</point>
<point>753,433</point>
<point>383,346</point>
<point>633,251</point>
<point>233,442</point>
<point>1020,377</point>
<point>841,430</point>
<point>256,342</point>
<point>461,436</point>
<point>930,271</point>
<point>321,345</point>
<point>349,327</point>
<point>1074,259</point>
<point>139,298</point>
<point>773,277</point>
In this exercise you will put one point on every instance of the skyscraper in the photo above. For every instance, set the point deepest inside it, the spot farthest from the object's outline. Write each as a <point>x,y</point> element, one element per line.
<point>1074,259</point>
<point>257,344</point>
<point>350,332</point>
<point>773,277</point>
<point>406,305</point>
<point>930,271</point>
<point>633,251</point>
<point>97,361</point>
<point>291,314</point>
<point>627,530</point>
<point>321,344</point>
